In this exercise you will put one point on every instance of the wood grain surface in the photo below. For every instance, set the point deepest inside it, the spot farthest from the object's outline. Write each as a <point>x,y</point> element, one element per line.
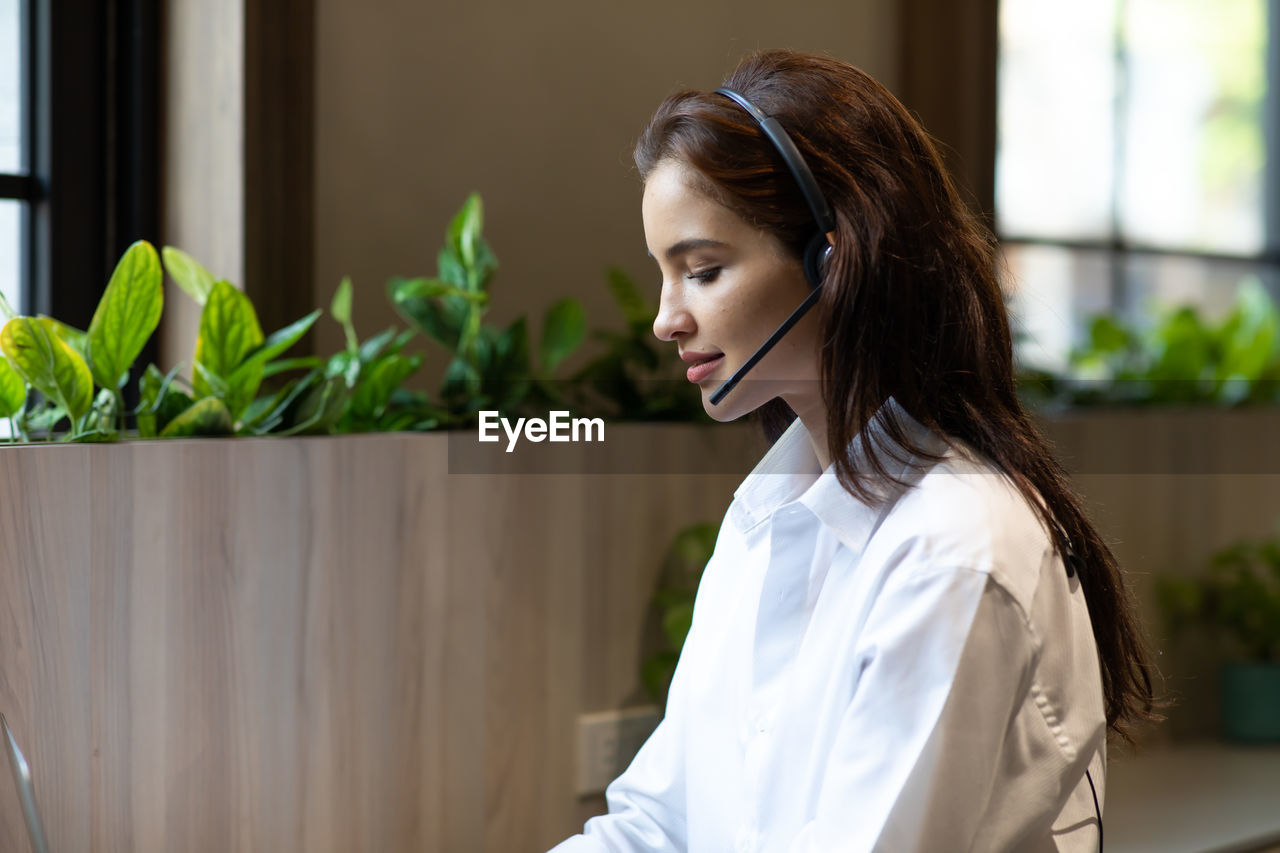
<point>341,644</point>
<point>326,644</point>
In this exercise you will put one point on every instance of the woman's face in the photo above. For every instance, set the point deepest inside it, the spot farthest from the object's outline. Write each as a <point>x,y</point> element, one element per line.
<point>726,286</point>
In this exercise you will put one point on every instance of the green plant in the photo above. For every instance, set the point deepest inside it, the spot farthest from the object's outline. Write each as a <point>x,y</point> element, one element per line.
<point>491,368</point>
<point>635,378</point>
<point>65,364</point>
<point>1181,359</point>
<point>682,569</point>
<point>1237,601</point>
<point>357,389</point>
<point>242,383</point>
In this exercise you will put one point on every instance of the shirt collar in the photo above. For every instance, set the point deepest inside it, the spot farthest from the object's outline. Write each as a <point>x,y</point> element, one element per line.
<point>790,472</point>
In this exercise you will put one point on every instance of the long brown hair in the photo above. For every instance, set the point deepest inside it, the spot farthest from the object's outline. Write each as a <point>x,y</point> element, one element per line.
<point>911,304</point>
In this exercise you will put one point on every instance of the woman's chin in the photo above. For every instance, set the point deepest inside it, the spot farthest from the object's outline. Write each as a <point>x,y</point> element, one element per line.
<point>731,407</point>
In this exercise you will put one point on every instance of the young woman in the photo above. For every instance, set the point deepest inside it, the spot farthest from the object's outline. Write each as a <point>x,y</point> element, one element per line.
<point>910,637</point>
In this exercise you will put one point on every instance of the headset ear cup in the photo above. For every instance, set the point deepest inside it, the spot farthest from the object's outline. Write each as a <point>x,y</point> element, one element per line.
<point>817,257</point>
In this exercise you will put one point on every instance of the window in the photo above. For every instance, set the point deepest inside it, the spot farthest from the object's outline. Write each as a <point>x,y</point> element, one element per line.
<point>77,147</point>
<point>17,188</point>
<point>1131,166</point>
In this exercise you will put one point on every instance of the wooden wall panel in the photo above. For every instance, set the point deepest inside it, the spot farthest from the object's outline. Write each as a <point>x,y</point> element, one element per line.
<point>44,638</point>
<point>1167,490</point>
<point>337,644</point>
<point>323,644</point>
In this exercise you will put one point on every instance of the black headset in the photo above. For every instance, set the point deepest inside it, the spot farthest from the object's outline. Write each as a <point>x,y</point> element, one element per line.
<point>818,250</point>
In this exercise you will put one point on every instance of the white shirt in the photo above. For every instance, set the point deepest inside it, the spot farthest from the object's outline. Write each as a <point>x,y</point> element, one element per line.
<point>919,675</point>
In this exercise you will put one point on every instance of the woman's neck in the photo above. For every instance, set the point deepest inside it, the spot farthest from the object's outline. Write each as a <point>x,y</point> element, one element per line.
<point>813,414</point>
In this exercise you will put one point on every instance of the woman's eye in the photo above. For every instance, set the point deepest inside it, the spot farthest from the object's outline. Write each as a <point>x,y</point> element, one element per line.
<point>705,276</point>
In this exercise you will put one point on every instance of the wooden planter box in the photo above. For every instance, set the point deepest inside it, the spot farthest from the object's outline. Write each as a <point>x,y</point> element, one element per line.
<point>322,644</point>
<point>359,643</point>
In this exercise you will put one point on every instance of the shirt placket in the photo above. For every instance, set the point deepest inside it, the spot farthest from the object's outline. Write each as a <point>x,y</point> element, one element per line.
<point>780,622</point>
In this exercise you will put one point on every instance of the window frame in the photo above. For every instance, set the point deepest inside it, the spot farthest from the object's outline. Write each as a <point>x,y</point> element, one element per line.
<point>1117,249</point>
<point>89,177</point>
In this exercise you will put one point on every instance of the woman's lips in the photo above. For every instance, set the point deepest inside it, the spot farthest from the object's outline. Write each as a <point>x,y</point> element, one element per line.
<point>703,369</point>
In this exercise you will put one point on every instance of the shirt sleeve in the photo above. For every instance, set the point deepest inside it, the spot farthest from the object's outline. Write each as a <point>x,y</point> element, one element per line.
<point>647,802</point>
<point>946,660</point>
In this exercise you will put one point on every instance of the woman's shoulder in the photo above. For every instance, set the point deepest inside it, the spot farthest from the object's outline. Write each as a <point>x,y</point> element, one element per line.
<point>963,513</point>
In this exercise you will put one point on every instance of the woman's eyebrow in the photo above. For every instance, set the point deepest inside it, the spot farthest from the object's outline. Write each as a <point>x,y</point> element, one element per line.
<point>677,249</point>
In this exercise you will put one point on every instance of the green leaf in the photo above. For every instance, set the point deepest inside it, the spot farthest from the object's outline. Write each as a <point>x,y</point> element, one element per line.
<point>229,332</point>
<point>160,402</point>
<point>278,407</point>
<point>375,389</point>
<point>467,260</point>
<point>1250,335</point>
<point>340,308</point>
<point>1108,336</point>
<point>259,414</point>
<point>345,364</point>
<point>197,281</point>
<point>276,344</point>
<point>6,310</point>
<point>464,230</point>
<point>502,365</point>
<point>510,352</point>
<point>485,265</point>
<point>438,309</point>
<point>309,362</point>
<point>101,419</point>
<point>401,340</point>
<point>563,329</point>
<point>320,409</point>
<point>74,338</point>
<point>370,349</point>
<point>127,314</point>
<point>207,417</point>
<point>1182,347</point>
<point>449,268</point>
<point>627,296</point>
<point>44,418</point>
<point>461,381</point>
<point>48,364</point>
<point>695,543</point>
<point>676,623</point>
<point>149,389</point>
<point>13,391</point>
<point>431,288</point>
<point>656,674</point>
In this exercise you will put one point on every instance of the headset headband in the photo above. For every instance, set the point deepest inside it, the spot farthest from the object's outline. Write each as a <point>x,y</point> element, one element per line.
<point>791,156</point>
<point>816,253</point>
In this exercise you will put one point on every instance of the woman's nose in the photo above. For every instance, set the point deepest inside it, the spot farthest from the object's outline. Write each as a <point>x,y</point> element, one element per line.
<point>673,318</point>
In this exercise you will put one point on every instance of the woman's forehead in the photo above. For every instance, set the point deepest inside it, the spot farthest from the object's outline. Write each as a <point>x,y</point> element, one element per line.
<point>673,200</point>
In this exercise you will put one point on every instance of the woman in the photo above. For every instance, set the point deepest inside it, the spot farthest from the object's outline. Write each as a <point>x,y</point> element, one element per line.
<point>909,638</point>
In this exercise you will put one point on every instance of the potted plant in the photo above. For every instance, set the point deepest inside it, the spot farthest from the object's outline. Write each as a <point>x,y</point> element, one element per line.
<point>1237,604</point>
<point>80,375</point>
<point>682,569</point>
<point>1181,358</point>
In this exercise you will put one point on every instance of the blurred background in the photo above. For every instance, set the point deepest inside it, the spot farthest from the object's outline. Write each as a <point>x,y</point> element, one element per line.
<point>1124,151</point>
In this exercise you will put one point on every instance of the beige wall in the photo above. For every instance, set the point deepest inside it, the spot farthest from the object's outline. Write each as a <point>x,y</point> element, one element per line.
<point>534,105</point>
